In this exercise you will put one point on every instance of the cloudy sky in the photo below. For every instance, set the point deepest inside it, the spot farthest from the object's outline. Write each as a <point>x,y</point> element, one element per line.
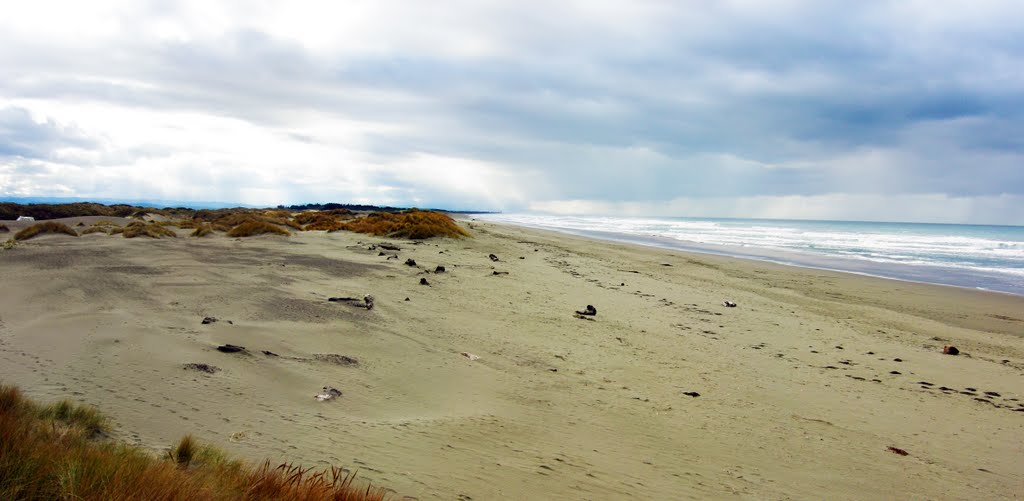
<point>902,110</point>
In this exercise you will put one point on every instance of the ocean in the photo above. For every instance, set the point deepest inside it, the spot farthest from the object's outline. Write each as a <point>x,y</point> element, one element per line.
<point>974,256</point>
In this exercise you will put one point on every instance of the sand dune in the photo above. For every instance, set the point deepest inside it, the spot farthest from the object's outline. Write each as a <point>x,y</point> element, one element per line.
<point>803,387</point>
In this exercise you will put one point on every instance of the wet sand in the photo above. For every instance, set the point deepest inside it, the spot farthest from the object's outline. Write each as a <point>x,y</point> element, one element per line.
<point>803,387</point>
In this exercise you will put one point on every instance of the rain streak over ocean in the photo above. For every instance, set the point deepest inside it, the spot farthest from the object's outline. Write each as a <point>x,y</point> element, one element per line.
<point>975,256</point>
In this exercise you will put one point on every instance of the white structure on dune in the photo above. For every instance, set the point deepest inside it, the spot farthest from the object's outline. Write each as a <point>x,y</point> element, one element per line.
<point>26,218</point>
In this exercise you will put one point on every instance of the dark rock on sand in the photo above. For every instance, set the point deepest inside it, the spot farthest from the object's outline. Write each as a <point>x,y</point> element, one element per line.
<point>410,262</point>
<point>270,353</point>
<point>589,311</point>
<point>950,350</point>
<point>439,269</point>
<point>729,304</point>
<point>230,348</point>
<point>209,369</point>
<point>390,247</point>
<point>209,320</point>
<point>691,394</point>
<point>424,281</point>
<point>499,273</point>
<point>493,257</point>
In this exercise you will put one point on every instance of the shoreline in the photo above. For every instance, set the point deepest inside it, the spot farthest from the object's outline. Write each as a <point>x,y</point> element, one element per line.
<point>790,257</point>
<point>813,373</point>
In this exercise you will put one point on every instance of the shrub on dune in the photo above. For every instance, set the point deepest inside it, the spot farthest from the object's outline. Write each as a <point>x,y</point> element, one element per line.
<point>414,224</point>
<point>252,228</point>
<point>47,227</point>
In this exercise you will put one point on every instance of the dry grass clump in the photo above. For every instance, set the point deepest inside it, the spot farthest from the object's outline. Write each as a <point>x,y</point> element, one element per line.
<point>51,452</point>
<point>4,228</point>
<point>414,224</point>
<point>46,227</point>
<point>102,226</point>
<point>151,230</point>
<point>251,228</point>
<point>202,229</point>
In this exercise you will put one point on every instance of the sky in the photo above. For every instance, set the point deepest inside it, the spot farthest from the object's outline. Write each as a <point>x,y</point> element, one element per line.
<point>874,110</point>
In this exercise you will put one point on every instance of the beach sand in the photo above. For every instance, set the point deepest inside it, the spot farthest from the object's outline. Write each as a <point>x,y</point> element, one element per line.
<point>803,387</point>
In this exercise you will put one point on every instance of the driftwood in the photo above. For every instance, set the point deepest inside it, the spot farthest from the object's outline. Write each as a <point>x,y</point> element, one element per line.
<point>493,258</point>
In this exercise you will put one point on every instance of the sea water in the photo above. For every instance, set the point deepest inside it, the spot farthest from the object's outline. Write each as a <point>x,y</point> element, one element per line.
<point>976,256</point>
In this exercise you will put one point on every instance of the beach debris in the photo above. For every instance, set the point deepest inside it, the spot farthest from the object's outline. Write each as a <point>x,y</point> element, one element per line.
<point>270,353</point>
<point>230,348</point>
<point>470,356</point>
<point>665,264</point>
<point>950,350</point>
<point>328,393</point>
<point>729,304</point>
<point>393,256</point>
<point>897,450</point>
<point>365,302</point>
<point>382,253</point>
<point>895,373</point>
<point>407,299</point>
<point>583,317</point>
<point>209,369</point>
<point>336,359</point>
<point>495,273</point>
<point>493,257</point>
<point>552,369</point>
<point>992,394</point>
<point>897,360</point>
<point>439,269</point>
<point>209,320</point>
<point>423,281</point>
<point>410,262</point>
<point>589,311</point>
<point>389,247</point>
<point>691,394</point>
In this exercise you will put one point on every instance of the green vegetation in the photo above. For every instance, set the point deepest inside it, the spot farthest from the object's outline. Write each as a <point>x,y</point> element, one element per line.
<point>251,228</point>
<point>57,452</point>
<point>414,224</point>
<point>46,227</point>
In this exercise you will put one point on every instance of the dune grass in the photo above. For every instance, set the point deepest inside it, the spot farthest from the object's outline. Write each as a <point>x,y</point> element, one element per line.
<point>151,230</point>
<point>202,230</point>
<point>46,227</point>
<point>4,228</point>
<point>415,224</point>
<point>52,452</point>
<point>252,228</point>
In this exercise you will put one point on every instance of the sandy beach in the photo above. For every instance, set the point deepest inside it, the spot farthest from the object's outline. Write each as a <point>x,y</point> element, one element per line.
<point>799,392</point>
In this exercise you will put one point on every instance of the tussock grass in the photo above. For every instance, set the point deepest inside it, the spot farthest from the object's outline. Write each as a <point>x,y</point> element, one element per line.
<point>50,452</point>
<point>252,228</point>
<point>46,227</point>
<point>414,224</point>
<point>151,230</point>
<point>4,228</point>
<point>202,229</point>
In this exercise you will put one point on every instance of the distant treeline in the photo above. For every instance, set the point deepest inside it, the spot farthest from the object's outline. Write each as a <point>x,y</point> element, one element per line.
<point>11,211</point>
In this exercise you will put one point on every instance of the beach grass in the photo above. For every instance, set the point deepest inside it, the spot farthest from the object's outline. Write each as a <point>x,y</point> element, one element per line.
<point>151,230</point>
<point>414,224</point>
<point>57,452</point>
<point>45,227</point>
<point>4,228</point>
<point>252,228</point>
